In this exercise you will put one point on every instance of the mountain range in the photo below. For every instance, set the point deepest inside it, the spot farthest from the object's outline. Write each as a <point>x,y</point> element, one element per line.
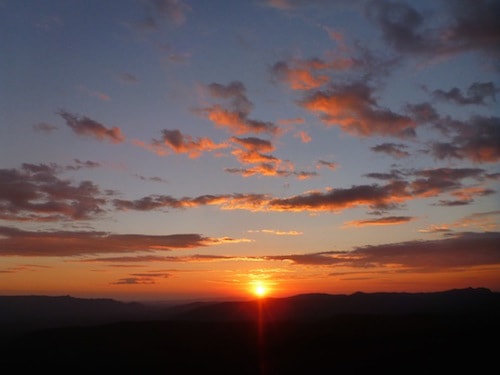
<point>309,333</point>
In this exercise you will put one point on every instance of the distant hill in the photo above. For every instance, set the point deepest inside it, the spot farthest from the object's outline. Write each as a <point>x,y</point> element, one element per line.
<point>320,306</point>
<point>448,331</point>
<point>20,314</point>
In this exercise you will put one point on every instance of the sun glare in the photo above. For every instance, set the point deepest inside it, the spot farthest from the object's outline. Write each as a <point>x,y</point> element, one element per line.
<point>260,290</point>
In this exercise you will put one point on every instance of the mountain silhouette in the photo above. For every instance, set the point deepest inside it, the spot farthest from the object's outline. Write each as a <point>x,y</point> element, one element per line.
<point>454,330</point>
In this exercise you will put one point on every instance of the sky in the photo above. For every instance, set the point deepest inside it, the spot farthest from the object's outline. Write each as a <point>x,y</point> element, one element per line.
<point>184,149</point>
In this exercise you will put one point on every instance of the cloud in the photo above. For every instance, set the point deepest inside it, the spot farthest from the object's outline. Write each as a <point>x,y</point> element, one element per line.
<point>389,220</point>
<point>19,242</point>
<point>424,183</point>
<point>278,232</point>
<point>355,110</point>
<point>393,149</point>
<point>476,94</point>
<point>328,164</point>
<point>470,26</point>
<point>252,151</point>
<point>464,196</point>
<point>175,141</point>
<point>374,196</point>
<point>401,186</point>
<point>314,259</point>
<point>196,258</point>
<point>44,127</point>
<point>154,178</point>
<point>474,27</point>
<point>301,76</point>
<point>478,140</point>
<point>394,174</point>
<point>237,122</point>
<point>455,251</point>
<point>82,164</point>
<point>251,202</point>
<point>432,182</point>
<point>309,74</point>
<point>423,113</point>
<point>268,169</point>
<point>402,26</point>
<point>87,127</point>
<point>34,192</point>
<point>458,251</point>
<point>142,278</point>
<point>234,117</point>
<point>486,221</point>
<point>127,78</point>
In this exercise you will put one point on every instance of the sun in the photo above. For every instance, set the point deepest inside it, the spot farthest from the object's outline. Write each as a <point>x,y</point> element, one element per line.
<point>260,290</point>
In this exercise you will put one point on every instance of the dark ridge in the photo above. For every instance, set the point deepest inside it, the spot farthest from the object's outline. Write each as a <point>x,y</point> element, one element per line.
<point>20,314</point>
<point>449,331</point>
<point>319,306</point>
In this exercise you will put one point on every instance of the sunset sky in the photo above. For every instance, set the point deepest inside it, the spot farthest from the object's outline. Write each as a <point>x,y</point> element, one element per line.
<point>178,149</point>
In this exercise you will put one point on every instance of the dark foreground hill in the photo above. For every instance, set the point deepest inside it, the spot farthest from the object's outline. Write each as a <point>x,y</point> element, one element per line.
<point>427,333</point>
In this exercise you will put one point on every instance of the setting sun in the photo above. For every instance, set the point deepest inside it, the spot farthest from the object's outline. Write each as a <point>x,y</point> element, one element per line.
<point>260,290</point>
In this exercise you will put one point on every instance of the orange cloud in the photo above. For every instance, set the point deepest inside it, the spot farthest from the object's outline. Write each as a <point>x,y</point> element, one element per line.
<point>237,122</point>
<point>299,78</point>
<point>180,143</point>
<point>235,115</point>
<point>354,109</point>
<point>390,220</point>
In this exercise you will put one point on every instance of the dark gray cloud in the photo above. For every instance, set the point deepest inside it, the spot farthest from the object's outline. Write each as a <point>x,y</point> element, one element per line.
<point>34,192</point>
<point>457,251</point>
<point>469,26</point>
<point>84,126</point>
<point>394,149</point>
<point>477,94</point>
<point>19,242</point>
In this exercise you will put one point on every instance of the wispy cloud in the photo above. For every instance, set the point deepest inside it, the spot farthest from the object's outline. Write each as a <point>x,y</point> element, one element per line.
<point>127,78</point>
<point>389,220</point>
<point>44,127</point>
<point>277,232</point>
<point>394,149</point>
<point>142,278</point>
